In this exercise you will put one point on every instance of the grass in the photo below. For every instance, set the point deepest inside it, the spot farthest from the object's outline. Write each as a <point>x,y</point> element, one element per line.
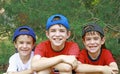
<point>6,50</point>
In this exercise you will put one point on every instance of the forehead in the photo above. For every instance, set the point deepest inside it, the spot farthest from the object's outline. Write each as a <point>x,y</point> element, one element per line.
<point>92,33</point>
<point>57,26</point>
<point>25,37</point>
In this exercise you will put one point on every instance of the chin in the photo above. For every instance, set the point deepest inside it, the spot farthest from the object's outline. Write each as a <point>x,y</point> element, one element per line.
<point>24,54</point>
<point>92,51</point>
<point>57,44</point>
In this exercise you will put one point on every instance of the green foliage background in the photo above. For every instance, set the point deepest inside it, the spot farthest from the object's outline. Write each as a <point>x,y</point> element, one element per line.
<point>35,13</point>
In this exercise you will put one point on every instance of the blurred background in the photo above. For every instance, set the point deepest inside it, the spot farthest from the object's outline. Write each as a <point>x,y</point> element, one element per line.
<point>34,13</point>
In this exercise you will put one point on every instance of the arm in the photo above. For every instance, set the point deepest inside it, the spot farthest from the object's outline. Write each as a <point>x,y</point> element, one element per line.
<point>63,67</point>
<point>111,62</point>
<point>86,68</point>
<point>41,63</point>
<point>114,67</point>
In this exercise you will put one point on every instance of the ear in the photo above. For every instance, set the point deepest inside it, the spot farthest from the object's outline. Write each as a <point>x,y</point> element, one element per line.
<point>15,44</point>
<point>34,44</point>
<point>103,40</point>
<point>68,34</point>
<point>83,40</point>
<point>47,34</point>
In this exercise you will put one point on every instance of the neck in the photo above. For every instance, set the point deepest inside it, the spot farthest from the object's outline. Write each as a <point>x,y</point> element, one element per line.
<point>58,48</point>
<point>25,59</point>
<point>94,55</point>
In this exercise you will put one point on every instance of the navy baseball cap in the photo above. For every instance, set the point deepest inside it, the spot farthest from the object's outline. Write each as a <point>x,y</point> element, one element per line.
<point>62,20</point>
<point>92,27</point>
<point>24,30</point>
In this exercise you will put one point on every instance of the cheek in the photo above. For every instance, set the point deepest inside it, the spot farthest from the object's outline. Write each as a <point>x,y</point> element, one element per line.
<point>31,46</point>
<point>99,41</point>
<point>50,34</point>
<point>17,45</point>
<point>65,35</point>
<point>86,42</point>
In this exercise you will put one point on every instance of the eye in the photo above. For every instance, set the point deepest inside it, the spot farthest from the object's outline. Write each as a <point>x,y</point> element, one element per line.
<point>87,39</point>
<point>62,30</point>
<point>96,38</point>
<point>29,42</point>
<point>53,30</point>
<point>21,42</point>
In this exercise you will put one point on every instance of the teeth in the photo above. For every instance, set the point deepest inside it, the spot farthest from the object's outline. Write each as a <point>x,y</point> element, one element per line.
<point>92,46</point>
<point>57,39</point>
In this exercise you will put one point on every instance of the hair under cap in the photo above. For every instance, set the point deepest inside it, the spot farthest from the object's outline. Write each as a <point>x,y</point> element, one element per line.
<point>62,20</point>
<point>24,30</point>
<point>92,27</point>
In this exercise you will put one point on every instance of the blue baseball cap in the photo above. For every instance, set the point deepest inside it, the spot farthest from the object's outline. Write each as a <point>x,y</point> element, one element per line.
<point>62,20</point>
<point>24,30</point>
<point>92,27</point>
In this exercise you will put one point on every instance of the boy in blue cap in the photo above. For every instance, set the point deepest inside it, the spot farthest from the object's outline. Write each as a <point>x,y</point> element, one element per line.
<point>56,54</point>
<point>24,40</point>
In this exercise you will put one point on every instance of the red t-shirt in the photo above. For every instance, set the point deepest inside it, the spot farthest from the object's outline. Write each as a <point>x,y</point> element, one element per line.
<point>105,58</point>
<point>44,49</point>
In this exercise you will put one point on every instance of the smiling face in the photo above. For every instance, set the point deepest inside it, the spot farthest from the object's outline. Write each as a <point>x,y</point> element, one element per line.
<point>93,42</point>
<point>57,34</point>
<point>24,45</point>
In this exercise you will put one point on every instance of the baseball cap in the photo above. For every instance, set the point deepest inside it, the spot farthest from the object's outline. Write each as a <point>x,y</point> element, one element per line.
<point>24,30</point>
<point>62,20</point>
<point>92,27</point>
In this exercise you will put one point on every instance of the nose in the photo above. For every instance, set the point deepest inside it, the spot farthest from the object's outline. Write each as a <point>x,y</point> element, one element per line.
<point>92,41</point>
<point>57,33</point>
<point>24,45</point>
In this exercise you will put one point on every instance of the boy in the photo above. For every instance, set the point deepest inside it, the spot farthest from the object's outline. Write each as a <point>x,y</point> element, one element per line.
<point>24,40</point>
<point>56,54</point>
<point>95,52</point>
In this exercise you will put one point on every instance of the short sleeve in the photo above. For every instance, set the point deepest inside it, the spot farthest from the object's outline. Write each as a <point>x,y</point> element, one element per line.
<point>108,57</point>
<point>12,64</point>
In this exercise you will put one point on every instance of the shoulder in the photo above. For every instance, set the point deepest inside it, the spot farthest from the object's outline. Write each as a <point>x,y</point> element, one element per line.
<point>44,42</point>
<point>71,43</point>
<point>72,47</point>
<point>106,51</point>
<point>42,47</point>
<point>107,56</point>
<point>83,51</point>
<point>14,56</point>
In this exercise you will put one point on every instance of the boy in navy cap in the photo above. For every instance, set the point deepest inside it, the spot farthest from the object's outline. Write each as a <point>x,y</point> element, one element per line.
<point>24,40</point>
<point>95,52</point>
<point>56,54</point>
